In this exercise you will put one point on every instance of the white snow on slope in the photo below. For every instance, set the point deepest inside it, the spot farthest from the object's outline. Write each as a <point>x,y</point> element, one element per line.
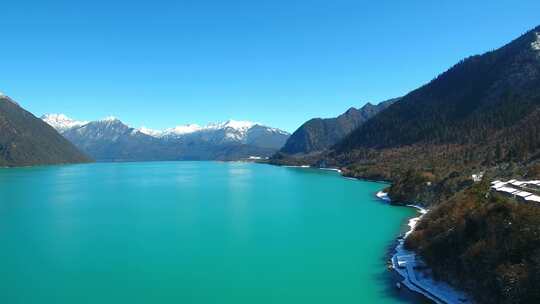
<point>151,132</point>
<point>536,44</point>
<point>238,127</point>
<point>61,122</point>
<point>234,129</point>
<point>181,130</point>
<point>276,130</point>
<point>233,124</point>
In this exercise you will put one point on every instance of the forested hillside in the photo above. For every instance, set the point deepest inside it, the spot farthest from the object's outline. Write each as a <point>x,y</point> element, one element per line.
<point>318,134</point>
<point>26,140</point>
<point>480,117</point>
<point>471,101</point>
<point>488,245</point>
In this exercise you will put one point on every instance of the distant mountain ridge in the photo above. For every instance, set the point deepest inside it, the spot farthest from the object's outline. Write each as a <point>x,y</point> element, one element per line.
<point>319,134</point>
<point>25,140</point>
<point>235,129</point>
<point>112,140</point>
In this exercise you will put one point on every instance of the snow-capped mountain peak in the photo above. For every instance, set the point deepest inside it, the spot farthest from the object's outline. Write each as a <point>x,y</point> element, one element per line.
<point>151,132</point>
<point>182,129</point>
<point>233,124</point>
<point>233,128</point>
<point>109,119</point>
<point>61,122</point>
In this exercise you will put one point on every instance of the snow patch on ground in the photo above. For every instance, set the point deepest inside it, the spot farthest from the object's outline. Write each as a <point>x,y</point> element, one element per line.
<point>331,169</point>
<point>536,44</point>
<point>383,195</point>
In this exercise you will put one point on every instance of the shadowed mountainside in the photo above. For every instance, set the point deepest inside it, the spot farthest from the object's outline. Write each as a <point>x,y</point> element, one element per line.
<point>26,140</point>
<point>319,134</point>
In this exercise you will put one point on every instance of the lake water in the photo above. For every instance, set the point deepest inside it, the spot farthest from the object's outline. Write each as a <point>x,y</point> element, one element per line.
<point>193,232</point>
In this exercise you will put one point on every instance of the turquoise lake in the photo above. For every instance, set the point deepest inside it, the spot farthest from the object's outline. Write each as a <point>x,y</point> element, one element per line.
<point>193,232</point>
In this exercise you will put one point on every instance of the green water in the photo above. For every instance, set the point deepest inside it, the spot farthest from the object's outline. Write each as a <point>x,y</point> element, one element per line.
<point>193,232</point>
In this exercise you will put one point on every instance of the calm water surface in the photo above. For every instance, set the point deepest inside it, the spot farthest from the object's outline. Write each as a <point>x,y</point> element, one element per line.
<point>192,232</point>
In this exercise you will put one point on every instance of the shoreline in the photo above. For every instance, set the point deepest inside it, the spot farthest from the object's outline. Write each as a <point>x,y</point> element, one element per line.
<point>412,270</point>
<point>406,264</point>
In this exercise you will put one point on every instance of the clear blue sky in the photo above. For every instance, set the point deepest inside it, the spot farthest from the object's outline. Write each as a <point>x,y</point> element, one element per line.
<point>163,63</point>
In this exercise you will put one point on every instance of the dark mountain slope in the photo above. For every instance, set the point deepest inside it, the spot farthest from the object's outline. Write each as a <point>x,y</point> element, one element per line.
<point>475,98</point>
<point>320,134</point>
<point>264,137</point>
<point>27,140</point>
<point>481,117</point>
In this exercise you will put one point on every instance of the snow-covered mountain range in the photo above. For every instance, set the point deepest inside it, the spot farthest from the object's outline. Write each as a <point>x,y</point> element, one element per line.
<point>111,139</point>
<point>233,130</point>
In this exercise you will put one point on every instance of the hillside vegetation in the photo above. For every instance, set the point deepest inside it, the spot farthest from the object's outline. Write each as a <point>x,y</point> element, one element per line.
<point>485,243</point>
<point>319,134</point>
<point>482,115</point>
<point>26,140</point>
